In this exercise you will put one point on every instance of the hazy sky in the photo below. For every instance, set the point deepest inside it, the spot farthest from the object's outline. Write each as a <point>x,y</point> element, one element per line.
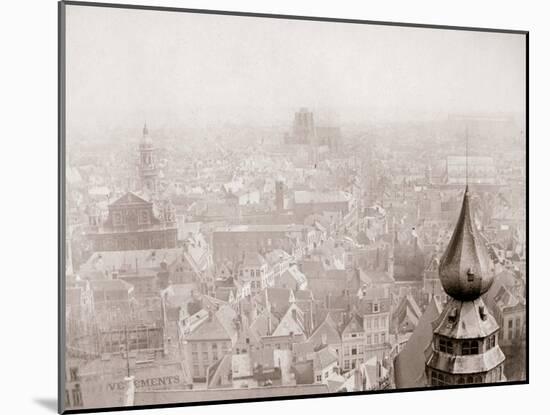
<point>124,66</point>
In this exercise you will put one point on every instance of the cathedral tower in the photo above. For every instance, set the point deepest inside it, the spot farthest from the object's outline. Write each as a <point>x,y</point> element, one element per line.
<point>464,348</point>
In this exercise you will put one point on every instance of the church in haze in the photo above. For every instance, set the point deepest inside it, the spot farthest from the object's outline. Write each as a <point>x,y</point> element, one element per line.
<point>136,220</point>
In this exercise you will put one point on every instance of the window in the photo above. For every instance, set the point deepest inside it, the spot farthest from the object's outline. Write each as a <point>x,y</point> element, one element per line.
<point>319,379</point>
<point>353,351</point>
<point>67,398</point>
<point>518,328</point>
<point>439,379</point>
<point>510,323</point>
<point>375,322</point>
<point>369,323</point>
<point>118,218</point>
<point>470,347</point>
<point>77,396</point>
<point>346,364</point>
<point>195,356</point>
<point>491,342</point>
<point>369,339</point>
<point>375,307</point>
<point>383,338</point>
<point>73,374</point>
<point>143,217</point>
<point>446,346</point>
<point>376,339</point>
<point>205,356</point>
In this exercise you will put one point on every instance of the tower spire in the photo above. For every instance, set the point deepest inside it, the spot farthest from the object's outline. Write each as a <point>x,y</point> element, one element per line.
<point>465,269</point>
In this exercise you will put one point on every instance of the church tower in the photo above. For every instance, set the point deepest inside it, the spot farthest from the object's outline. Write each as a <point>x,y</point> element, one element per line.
<point>464,348</point>
<point>148,172</point>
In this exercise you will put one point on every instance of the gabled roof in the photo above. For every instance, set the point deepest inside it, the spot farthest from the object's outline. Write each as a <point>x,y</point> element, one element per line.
<point>279,299</point>
<point>294,273</point>
<point>129,198</point>
<point>260,325</point>
<point>327,330</point>
<point>219,327</point>
<point>354,325</point>
<point>408,306</point>
<point>324,358</point>
<point>289,324</point>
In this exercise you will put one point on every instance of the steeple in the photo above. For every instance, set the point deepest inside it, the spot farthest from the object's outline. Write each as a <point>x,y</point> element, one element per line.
<point>464,347</point>
<point>466,270</point>
<point>147,167</point>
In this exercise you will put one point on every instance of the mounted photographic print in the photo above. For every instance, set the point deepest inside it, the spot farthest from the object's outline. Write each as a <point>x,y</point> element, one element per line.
<point>260,207</point>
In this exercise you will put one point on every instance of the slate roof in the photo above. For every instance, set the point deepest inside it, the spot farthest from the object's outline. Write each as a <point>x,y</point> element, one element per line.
<point>467,322</point>
<point>409,364</point>
<point>324,358</point>
<point>327,328</point>
<point>219,327</point>
<point>289,324</point>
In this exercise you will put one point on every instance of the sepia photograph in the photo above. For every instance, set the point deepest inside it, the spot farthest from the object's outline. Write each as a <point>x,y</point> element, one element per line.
<point>260,207</point>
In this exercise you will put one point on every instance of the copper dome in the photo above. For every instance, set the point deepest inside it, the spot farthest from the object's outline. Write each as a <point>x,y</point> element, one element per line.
<point>466,270</point>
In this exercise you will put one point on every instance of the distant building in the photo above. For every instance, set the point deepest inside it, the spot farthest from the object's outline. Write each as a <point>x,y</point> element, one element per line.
<point>147,167</point>
<point>474,170</point>
<point>133,223</point>
<point>309,202</point>
<point>230,243</point>
<point>305,132</point>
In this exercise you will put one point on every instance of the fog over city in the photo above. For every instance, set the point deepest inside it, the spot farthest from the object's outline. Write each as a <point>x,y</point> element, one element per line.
<point>127,65</point>
<point>266,207</point>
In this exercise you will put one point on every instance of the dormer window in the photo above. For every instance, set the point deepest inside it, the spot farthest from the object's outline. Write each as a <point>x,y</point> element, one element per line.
<point>470,275</point>
<point>376,307</point>
<point>452,315</point>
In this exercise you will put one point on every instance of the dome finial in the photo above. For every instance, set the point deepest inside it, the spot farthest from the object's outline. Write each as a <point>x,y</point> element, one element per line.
<point>145,130</point>
<point>466,270</point>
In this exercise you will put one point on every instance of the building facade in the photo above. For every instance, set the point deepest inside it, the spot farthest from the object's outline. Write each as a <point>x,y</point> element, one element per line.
<point>134,223</point>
